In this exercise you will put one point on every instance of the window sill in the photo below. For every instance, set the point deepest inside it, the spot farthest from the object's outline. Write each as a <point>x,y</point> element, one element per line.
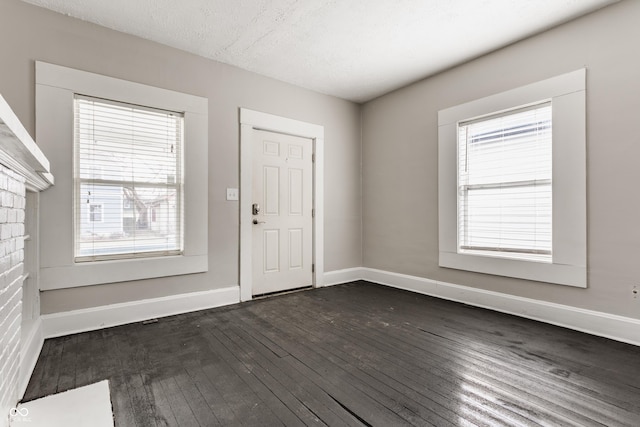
<point>561,274</point>
<point>97,273</point>
<point>511,256</point>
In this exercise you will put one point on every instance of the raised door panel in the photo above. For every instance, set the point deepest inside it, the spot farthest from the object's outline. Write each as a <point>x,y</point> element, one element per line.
<point>296,245</point>
<point>296,195</point>
<point>271,253</point>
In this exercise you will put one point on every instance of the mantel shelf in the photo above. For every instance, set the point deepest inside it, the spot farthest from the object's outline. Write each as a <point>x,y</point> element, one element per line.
<point>19,152</point>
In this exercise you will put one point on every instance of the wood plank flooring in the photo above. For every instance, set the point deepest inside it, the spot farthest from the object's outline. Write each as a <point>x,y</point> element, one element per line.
<point>349,355</point>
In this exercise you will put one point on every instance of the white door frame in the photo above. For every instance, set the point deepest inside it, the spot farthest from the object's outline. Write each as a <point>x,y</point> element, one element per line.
<point>250,120</point>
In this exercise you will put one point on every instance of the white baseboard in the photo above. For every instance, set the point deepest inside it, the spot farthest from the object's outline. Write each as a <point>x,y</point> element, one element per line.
<point>338,277</point>
<point>29,353</point>
<point>71,322</point>
<point>606,325</point>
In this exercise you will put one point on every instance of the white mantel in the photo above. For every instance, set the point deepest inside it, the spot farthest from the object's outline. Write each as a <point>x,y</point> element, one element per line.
<point>24,172</point>
<point>19,152</point>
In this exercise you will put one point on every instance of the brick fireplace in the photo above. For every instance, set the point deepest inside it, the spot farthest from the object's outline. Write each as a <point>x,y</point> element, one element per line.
<point>24,172</point>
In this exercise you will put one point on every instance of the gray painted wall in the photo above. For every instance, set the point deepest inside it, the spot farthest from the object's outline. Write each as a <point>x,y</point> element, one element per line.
<point>399,216</point>
<point>29,33</point>
<point>400,167</point>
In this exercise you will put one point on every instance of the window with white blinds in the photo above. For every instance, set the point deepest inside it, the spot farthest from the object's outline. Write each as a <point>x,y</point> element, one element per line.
<point>512,182</point>
<point>128,180</point>
<point>505,184</point>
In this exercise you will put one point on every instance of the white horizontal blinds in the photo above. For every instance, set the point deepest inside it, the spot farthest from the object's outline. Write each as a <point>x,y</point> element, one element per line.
<point>129,180</point>
<point>504,179</point>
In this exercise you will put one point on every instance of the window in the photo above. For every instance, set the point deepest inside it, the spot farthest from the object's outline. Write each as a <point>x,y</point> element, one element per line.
<point>505,184</point>
<point>127,155</point>
<point>134,149</point>
<point>512,183</point>
<point>95,212</point>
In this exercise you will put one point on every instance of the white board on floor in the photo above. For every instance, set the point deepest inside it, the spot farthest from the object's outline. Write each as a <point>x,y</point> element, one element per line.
<point>83,406</point>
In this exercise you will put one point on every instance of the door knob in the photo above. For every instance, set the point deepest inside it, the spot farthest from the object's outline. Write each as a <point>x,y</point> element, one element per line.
<point>255,221</point>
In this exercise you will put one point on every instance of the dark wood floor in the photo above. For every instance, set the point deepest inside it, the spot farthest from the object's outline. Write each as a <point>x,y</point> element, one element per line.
<point>356,354</point>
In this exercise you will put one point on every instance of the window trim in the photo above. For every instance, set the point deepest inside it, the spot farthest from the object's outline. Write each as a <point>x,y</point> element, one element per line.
<point>567,93</point>
<point>55,89</point>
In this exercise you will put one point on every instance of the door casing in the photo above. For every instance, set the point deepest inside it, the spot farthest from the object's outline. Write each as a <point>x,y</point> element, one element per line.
<point>250,120</point>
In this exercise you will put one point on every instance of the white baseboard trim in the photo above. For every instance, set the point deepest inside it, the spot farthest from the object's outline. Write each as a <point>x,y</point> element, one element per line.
<point>606,325</point>
<point>338,277</point>
<point>71,322</point>
<point>619,328</point>
<point>29,352</point>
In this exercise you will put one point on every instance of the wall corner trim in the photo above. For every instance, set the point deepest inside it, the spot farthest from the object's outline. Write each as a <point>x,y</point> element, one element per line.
<point>29,354</point>
<point>90,319</point>
<point>338,277</point>
<point>619,328</point>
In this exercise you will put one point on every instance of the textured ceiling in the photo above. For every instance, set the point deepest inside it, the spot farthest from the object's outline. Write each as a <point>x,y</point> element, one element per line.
<point>353,49</point>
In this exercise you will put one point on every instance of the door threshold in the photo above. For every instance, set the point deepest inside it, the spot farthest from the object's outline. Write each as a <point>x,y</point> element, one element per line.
<point>277,293</point>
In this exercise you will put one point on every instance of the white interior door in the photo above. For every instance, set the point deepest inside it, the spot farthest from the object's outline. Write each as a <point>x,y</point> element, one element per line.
<point>282,212</point>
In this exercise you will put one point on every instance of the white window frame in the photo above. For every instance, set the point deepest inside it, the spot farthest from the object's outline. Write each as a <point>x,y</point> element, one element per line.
<point>567,94</point>
<point>55,90</point>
